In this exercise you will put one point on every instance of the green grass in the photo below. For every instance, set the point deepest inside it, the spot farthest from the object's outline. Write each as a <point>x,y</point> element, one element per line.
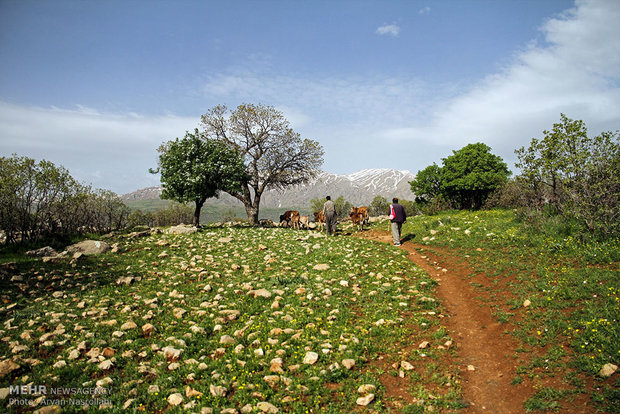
<point>572,282</point>
<point>364,307</point>
<point>194,290</point>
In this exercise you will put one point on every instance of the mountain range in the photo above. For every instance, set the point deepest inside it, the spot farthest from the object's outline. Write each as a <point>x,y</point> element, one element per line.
<point>359,188</point>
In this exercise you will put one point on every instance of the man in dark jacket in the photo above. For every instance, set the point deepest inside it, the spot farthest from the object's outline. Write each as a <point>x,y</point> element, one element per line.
<point>331,218</point>
<point>397,217</point>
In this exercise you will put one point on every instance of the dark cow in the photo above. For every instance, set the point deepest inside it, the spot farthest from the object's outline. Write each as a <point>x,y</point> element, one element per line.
<point>288,217</point>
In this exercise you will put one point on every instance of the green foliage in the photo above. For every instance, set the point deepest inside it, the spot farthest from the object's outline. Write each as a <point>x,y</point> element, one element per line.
<point>316,204</point>
<point>427,183</point>
<point>195,168</point>
<point>173,214</point>
<point>411,208</point>
<point>41,199</point>
<point>274,154</point>
<point>465,180</point>
<point>471,174</point>
<point>577,176</point>
<point>379,206</point>
<point>343,207</point>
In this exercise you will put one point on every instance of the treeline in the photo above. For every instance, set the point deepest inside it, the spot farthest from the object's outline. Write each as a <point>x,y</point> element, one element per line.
<point>565,177</point>
<point>40,200</point>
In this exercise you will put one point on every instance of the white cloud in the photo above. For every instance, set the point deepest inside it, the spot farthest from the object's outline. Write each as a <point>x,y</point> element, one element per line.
<point>577,72</point>
<point>362,122</point>
<point>105,150</point>
<point>424,10</point>
<point>390,29</point>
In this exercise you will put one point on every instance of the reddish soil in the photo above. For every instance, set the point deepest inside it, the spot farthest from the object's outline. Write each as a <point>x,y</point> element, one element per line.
<point>486,354</point>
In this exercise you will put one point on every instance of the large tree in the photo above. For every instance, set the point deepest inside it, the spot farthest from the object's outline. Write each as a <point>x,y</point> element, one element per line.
<point>471,174</point>
<point>465,179</point>
<point>275,156</point>
<point>196,168</point>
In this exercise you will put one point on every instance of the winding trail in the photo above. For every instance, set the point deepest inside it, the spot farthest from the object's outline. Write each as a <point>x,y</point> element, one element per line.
<point>486,354</point>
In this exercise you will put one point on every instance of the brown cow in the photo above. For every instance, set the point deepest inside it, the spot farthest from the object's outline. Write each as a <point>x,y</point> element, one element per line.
<point>304,221</point>
<point>319,217</point>
<point>357,219</point>
<point>295,219</point>
<point>287,216</point>
<point>360,210</point>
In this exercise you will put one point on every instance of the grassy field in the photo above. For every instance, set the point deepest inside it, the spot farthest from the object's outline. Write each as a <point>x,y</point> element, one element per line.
<point>570,329</point>
<point>228,318</point>
<point>249,318</point>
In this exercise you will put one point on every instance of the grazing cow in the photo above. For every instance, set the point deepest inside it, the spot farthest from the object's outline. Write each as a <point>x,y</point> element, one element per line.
<point>295,220</point>
<point>304,222</point>
<point>357,219</point>
<point>360,210</point>
<point>319,217</point>
<point>287,217</point>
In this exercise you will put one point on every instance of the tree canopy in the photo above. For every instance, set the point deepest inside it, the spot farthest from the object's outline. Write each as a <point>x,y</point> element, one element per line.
<point>275,156</point>
<point>196,168</point>
<point>578,176</point>
<point>466,178</point>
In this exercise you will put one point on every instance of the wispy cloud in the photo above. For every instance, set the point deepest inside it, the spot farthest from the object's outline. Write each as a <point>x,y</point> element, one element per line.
<point>390,30</point>
<point>359,120</point>
<point>424,10</point>
<point>106,150</point>
<point>576,72</point>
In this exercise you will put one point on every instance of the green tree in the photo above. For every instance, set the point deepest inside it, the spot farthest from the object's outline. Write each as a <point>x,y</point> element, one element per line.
<point>196,168</point>
<point>576,175</point>
<point>379,206</point>
<point>427,183</point>
<point>343,207</point>
<point>275,156</point>
<point>316,204</point>
<point>471,174</point>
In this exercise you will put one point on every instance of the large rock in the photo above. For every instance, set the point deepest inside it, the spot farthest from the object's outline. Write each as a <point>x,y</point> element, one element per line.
<point>89,247</point>
<point>608,370</point>
<point>182,229</point>
<point>7,366</point>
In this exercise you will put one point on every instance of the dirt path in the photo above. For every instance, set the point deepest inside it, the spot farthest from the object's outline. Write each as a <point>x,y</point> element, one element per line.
<point>486,355</point>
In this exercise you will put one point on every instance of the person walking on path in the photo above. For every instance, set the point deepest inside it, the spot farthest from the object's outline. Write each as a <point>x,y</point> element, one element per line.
<point>397,217</point>
<point>329,211</point>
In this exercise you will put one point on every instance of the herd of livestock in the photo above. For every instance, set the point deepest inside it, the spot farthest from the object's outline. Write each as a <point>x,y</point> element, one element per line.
<point>292,218</point>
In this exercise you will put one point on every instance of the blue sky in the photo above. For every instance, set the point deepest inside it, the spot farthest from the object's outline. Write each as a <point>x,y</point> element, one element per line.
<point>96,86</point>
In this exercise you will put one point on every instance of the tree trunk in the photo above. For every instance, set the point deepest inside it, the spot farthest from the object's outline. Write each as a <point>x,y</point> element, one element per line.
<point>251,207</point>
<point>199,204</point>
<point>252,214</point>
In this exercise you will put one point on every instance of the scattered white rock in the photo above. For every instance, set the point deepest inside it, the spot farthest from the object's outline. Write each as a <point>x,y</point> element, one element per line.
<point>267,407</point>
<point>348,363</point>
<point>366,389</point>
<point>310,358</point>
<point>608,370</point>
<point>175,399</point>
<point>365,400</point>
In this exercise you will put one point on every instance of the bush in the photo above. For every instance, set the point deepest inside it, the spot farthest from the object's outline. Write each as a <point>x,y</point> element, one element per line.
<point>40,200</point>
<point>576,176</point>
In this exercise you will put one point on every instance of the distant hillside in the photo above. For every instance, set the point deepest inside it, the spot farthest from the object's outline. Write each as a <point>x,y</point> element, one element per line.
<point>358,188</point>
